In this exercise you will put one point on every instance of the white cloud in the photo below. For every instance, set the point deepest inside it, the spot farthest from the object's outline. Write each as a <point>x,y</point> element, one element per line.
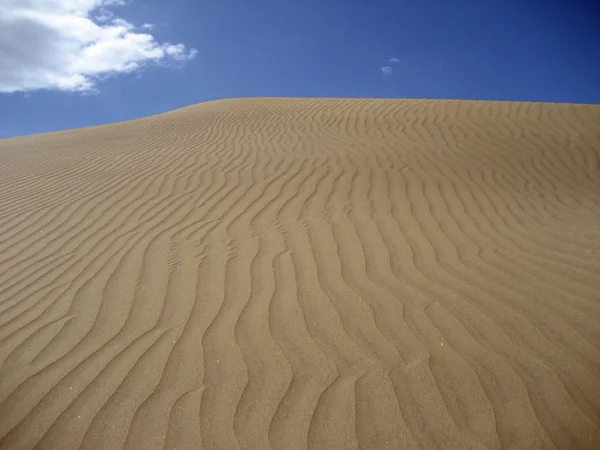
<point>386,70</point>
<point>394,60</point>
<point>70,45</point>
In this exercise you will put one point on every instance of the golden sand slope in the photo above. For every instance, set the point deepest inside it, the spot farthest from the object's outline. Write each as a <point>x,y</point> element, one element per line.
<point>287,273</point>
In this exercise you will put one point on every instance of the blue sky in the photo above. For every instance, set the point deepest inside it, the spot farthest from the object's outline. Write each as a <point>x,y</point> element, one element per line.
<point>465,49</point>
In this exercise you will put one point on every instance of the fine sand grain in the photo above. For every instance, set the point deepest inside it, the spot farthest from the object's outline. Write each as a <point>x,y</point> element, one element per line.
<point>303,273</point>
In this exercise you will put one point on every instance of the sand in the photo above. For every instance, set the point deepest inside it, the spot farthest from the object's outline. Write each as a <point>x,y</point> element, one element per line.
<point>304,273</point>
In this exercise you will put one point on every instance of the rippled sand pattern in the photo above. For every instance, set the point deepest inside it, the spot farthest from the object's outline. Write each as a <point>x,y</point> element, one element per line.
<point>290,274</point>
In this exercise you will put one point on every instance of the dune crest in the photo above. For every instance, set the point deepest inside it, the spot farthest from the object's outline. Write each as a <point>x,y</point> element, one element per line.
<point>304,273</point>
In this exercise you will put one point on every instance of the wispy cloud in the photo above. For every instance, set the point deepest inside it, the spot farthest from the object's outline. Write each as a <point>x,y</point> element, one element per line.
<point>70,45</point>
<point>386,70</point>
<point>394,60</point>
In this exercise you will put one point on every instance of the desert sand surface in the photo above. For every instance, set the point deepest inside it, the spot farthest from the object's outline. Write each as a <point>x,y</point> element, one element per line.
<point>304,273</point>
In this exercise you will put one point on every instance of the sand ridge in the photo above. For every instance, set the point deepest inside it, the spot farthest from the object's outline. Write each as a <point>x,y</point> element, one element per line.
<point>304,273</point>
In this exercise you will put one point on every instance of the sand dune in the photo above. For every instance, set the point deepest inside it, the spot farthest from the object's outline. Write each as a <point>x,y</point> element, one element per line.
<point>290,274</point>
